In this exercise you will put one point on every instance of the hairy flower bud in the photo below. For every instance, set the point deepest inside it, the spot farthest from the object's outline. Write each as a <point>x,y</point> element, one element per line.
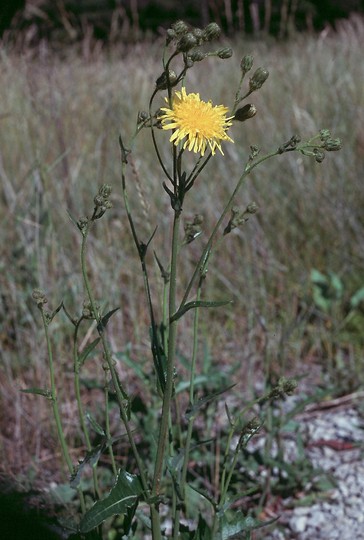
<point>39,297</point>
<point>258,79</point>
<point>162,81</point>
<point>246,63</point>
<point>325,134</point>
<point>211,31</point>
<point>198,33</point>
<point>319,156</point>
<point>180,28</point>
<point>332,145</point>
<point>246,112</point>
<point>197,56</point>
<point>186,42</point>
<point>252,208</point>
<point>224,53</point>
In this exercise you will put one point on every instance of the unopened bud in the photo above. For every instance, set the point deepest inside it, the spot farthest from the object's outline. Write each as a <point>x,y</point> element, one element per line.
<point>325,134</point>
<point>171,35</point>
<point>163,81</point>
<point>197,56</point>
<point>258,79</point>
<point>224,53</point>
<point>98,201</point>
<point>211,32</point>
<point>198,33</point>
<point>252,208</point>
<point>246,63</point>
<point>39,297</point>
<point>142,117</point>
<point>319,156</point>
<point>186,42</point>
<point>332,145</point>
<point>180,28</point>
<point>246,112</point>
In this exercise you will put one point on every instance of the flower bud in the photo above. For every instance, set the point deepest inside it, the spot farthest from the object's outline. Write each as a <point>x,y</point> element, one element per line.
<point>142,117</point>
<point>325,134</point>
<point>332,145</point>
<point>246,63</point>
<point>98,201</point>
<point>246,112</point>
<point>171,35</point>
<point>258,79</point>
<point>39,297</point>
<point>180,28</point>
<point>197,56</point>
<point>252,208</point>
<point>105,191</point>
<point>198,33</point>
<point>211,32</point>
<point>186,42</point>
<point>224,53</point>
<point>162,81</point>
<point>319,156</point>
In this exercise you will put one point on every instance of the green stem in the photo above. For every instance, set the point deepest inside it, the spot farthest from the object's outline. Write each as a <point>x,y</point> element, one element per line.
<point>191,418</point>
<point>107,428</point>
<point>172,339</point>
<point>55,409</point>
<point>249,167</point>
<point>108,358</point>
<point>81,413</point>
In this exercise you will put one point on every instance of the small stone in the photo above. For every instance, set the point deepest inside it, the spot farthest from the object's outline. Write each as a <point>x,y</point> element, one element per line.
<point>298,524</point>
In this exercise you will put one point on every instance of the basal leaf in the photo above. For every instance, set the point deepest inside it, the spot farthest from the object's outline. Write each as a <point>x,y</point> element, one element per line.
<point>125,493</point>
<point>239,524</point>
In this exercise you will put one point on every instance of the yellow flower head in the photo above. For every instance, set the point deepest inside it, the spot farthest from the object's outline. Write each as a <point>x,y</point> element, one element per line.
<point>199,122</point>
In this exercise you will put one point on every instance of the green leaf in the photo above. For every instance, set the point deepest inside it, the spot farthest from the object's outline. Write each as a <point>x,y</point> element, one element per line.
<point>37,391</point>
<point>125,494</point>
<point>105,319</point>
<point>201,402</point>
<point>87,350</point>
<point>241,524</point>
<point>95,425</point>
<point>357,298</point>
<point>197,304</point>
<point>91,458</point>
<point>203,531</point>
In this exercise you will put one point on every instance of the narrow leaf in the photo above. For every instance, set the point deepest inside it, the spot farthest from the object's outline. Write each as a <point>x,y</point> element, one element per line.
<point>197,304</point>
<point>105,319</point>
<point>201,402</point>
<point>91,458</point>
<point>95,425</point>
<point>87,350</point>
<point>125,493</point>
<point>37,391</point>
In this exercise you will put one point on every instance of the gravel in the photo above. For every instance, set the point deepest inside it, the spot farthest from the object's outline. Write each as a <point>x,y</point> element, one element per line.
<point>334,442</point>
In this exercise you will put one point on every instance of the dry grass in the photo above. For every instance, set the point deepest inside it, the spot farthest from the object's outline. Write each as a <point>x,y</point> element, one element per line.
<point>60,120</point>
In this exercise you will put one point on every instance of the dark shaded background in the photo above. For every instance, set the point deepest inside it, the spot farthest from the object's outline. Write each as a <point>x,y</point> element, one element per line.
<point>130,20</point>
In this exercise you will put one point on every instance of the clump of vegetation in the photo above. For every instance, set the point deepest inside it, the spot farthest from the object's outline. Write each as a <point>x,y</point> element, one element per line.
<point>160,485</point>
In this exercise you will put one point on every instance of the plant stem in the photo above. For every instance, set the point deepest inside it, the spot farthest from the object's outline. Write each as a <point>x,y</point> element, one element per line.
<point>172,338</point>
<point>55,408</point>
<point>81,414</point>
<point>191,418</point>
<point>108,358</point>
